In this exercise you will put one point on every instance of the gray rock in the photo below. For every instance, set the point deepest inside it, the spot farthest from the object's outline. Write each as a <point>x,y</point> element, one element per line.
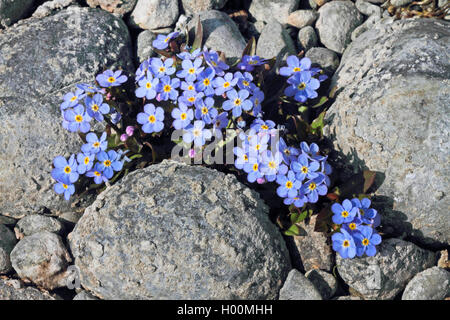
<point>376,1</point>
<point>15,290</point>
<point>381,120</point>
<point>337,20</point>
<point>302,18</point>
<point>320,2</point>
<point>368,24</point>
<point>173,231</point>
<point>442,3</point>
<point>84,295</point>
<point>312,4</point>
<point>400,3</point>
<point>144,45</point>
<point>272,10</point>
<point>119,7</point>
<point>13,10</point>
<point>367,8</point>
<point>387,273</point>
<point>36,223</point>
<point>325,58</point>
<point>42,258</point>
<point>218,26</point>
<point>325,282</point>
<point>196,6</point>
<point>347,298</point>
<point>298,287</point>
<point>307,38</point>
<point>431,284</point>
<point>313,248</point>
<point>7,243</point>
<point>182,23</point>
<point>275,41</point>
<point>69,219</point>
<point>7,221</point>
<point>154,14</point>
<point>50,7</point>
<point>41,60</point>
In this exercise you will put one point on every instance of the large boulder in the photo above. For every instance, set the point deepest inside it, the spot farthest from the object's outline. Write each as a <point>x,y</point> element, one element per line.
<point>391,115</point>
<point>383,276</point>
<point>154,14</point>
<point>298,287</point>
<point>40,60</point>
<point>219,33</point>
<point>13,10</point>
<point>431,284</point>
<point>174,231</point>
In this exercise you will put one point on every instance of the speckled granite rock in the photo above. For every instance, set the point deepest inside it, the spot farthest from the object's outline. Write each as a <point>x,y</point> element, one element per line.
<point>36,223</point>
<point>275,41</point>
<point>173,231</point>
<point>387,273</point>
<point>391,115</point>
<point>15,290</point>
<point>7,243</point>
<point>154,14</point>
<point>196,6</point>
<point>431,284</point>
<point>119,7</point>
<point>298,287</point>
<point>13,10</point>
<point>84,295</point>
<point>324,281</point>
<point>42,59</point>
<point>272,10</point>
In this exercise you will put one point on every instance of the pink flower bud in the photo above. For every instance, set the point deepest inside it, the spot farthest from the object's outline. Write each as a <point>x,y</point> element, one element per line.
<point>130,131</point>
<point>261,180</point>
<point>192,153</point>
<point>124,137</point>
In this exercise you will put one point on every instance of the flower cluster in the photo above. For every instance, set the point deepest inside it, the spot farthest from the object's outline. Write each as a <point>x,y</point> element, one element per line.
<point>78,110</point>
<point>357,222</point>
<point>302,84</point>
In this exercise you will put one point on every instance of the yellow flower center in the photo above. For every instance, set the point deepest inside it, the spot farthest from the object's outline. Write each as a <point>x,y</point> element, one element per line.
<point>73,99</point>
<point>107,163</point>
<point>257,147</point>
<point>245,83</point>
<point>65,186</point>
<point>197,132</point>
<point>151,119</point>
<point>206,82</point>
<point>191,88</point>
<point>255,167</point>
<point>226,84</point>
<point>301,86</point>
<point>346,243</point>
<point>148,85</point>
<point>297,69</point>
<point>67,169</point>
<point>365,242</point>
<point>167,88</point>
<point>287,151</point>
<point>162,69</point>
<point>352,226</point>
<point>289,184</point>
<point>304,169</point>
<point>245,157</point>
<point>191,71</point>
<point>204,110</point>
<point>96,144</point>
<point>111,79</point>
<point>78,118</point>
<point>312,186</point>
<point>264,127</point>
<point>183,116</point>
<point>191,99</point>
<point>214,63</point>
<point>237,102</point>
<point>94,108</point>
<point>344,213</point>
<point>86,160</point>
<point>97,173</point>
<point>272,165</point>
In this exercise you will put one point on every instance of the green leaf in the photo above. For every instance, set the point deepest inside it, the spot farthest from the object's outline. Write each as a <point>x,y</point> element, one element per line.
<point>294,230</point>
<point>369,179</point>
<point>302,109</point>
<point>301,216</point>
<point>250,48</point>
<point>318,124</point>
<point>198,35</point>
<point>321,102</point>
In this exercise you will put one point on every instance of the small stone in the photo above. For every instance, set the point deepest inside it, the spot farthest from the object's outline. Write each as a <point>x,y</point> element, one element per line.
<point>42,258</point>
<point>307,38</point>
<point>431,284</point>
<point>298,287</point>
<point>302,18</point>
<point>320,2</point>
<point>367,8</point>
<point>36,223</point>
<point>15,290</point>
<point>388,272</point>
<point>119,7</point>
<point>84,295</point>
<point>154,14</point>
<point>182,23</point>
<point>220,33</point>
<point>50,7</point>
<point>325,58</point>
<point>272,10</point>
<point>195,6</point>
<point>145,45</point>
<point>275,41</point>
<point>324,281</point>
<point>400,3</point>
<point>312,4</point>
<point>13,10</point>
<point>443,261</point>
<point>7,243</point>
<point>314,250</point>
<point>337,20</point>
